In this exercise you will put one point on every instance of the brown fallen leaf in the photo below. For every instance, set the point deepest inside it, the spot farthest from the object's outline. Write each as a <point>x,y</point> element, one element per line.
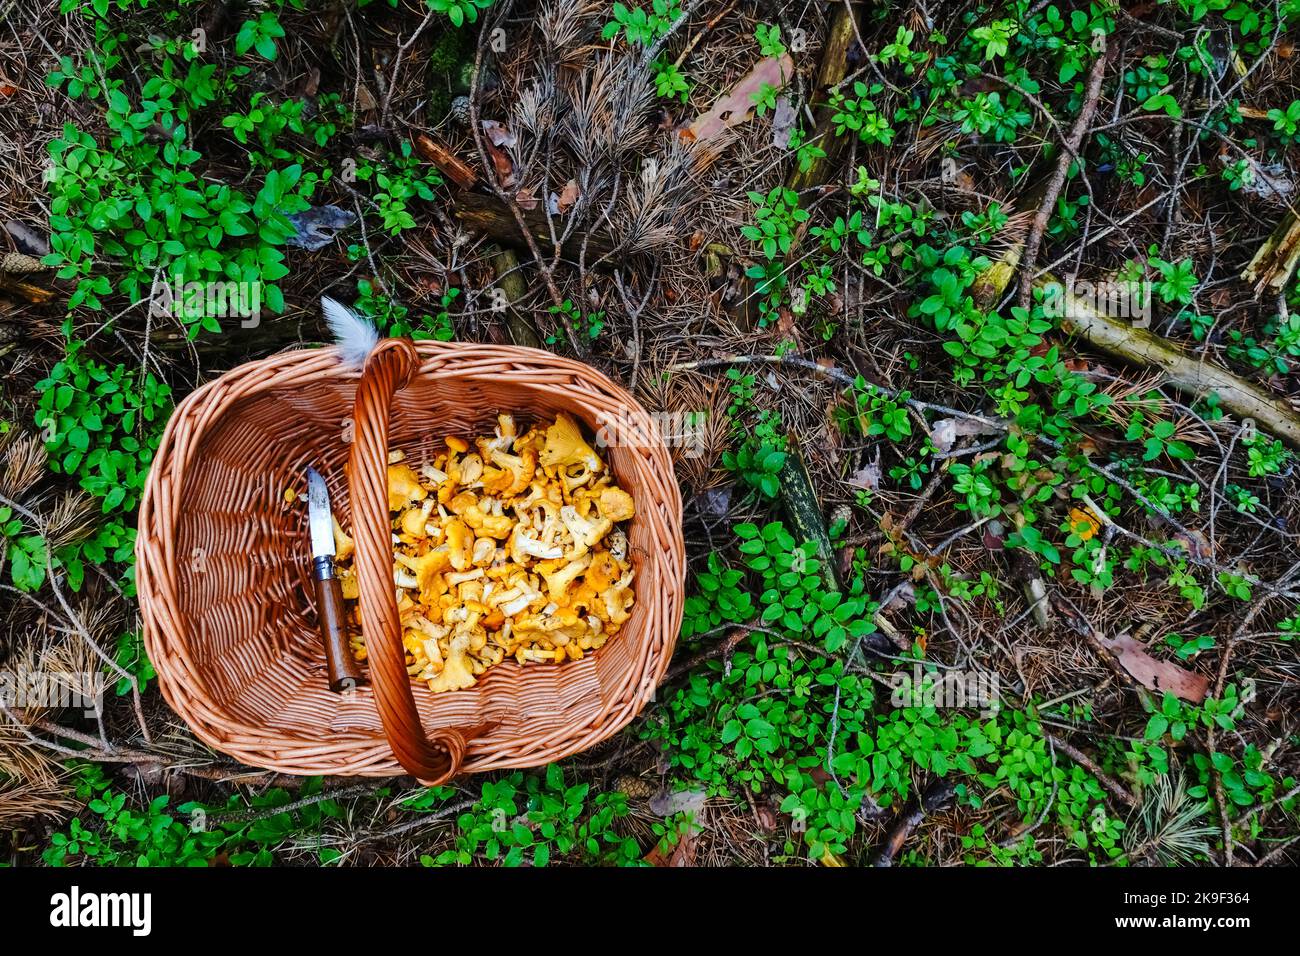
<point>682,853</point>
<point>499,139</point>
<point>737,105</point>
<point>498,134</point>
<point>526,199</point>
<point>568,196</point>
<point>365,99</point>
<point>1153,674</point>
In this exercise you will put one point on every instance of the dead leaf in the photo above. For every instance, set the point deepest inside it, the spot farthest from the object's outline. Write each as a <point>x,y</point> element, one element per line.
<point>902,596</point>
<point>498,134</point>
<point>526,199</point>
<point>737,105</point>
<point>682,853</point>
<point>505,169</point>
<point>868,476</point>
<point>668,804</point>
<point>945,432</point>
<point>365,99</point>
<point>311,82</point>
<point>783,120</point>
<point>1153,674</point>
<point>568,196</point>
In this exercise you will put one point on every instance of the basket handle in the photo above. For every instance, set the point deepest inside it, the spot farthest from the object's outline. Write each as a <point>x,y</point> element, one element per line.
<point>438,757</point>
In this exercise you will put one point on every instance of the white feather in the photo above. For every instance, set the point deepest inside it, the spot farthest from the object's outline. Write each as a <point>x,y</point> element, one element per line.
<point>355,337</point>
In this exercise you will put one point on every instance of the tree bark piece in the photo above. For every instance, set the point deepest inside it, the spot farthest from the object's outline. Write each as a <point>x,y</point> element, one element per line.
<point>804,512</point>
<point>519,326</point>
<point>448,163</point>
<point>833,69</point>
<point>1276,260</point>
<point>491,217</point>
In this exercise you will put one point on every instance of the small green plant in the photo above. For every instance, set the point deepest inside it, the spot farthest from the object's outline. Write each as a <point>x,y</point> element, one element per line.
<point>1286,123</point>
<point>976,489</point>
<point>871,412</point>
<point>130,655</point>
<point>640,26</point>
<point>769,40</point>
<point>900,51</point>
<point>858,114</point>
<point>1239,174</point>
<point>459,12</point>
<point>529,819</point>
<point>589,324</point>
<point>102,425</point>
<point>776,216</point>
<point>396,319</point>
<point>1177,280</point>
<point>995,37</point>
<point>398,181</point>
<point>1265,456</point>
<point>24,552</point>
<point>670,83</point>
<point>260,34</point>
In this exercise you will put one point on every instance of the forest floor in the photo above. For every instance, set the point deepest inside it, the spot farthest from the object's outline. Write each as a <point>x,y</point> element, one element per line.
<point>975,329</point>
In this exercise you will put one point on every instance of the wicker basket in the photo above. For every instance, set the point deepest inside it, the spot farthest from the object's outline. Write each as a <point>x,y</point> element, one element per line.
<point>223,564</point>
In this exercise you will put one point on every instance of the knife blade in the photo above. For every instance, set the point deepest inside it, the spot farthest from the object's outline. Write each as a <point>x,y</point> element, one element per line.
<point>344,672</point>
<point>319,516</point>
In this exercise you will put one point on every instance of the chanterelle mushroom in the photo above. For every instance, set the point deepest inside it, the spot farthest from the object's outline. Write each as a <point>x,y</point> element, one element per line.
<point>455,673</point>
<point>403,487</point>
<point>503,547</point>
<point>567,449</point>
<point>586,532</point>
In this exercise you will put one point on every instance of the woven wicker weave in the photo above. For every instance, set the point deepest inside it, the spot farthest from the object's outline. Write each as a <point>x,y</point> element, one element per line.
<point>223,564</point>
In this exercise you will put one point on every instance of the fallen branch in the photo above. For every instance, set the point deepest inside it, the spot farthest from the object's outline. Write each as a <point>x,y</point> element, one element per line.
<point>1113,786</point>
<point>492,217</point>
<point>937,796</point>
<point>1191,375</point>
<point>831,71</point>
<point>1055,184</point>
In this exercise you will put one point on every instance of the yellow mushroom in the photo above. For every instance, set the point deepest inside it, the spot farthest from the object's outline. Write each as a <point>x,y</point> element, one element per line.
<point>487,523</point>
<point>343,544</point>
<point>603,571</point>
<point>559,577</point>
<point>460,543</point>
<point>522,546</point>
<point>455,673</point>
<point>414,520</point>
<point>403,487</point>
<point>568,451</point>
<point>617,599</point>
<point>586,532</point>
<point>428,567</point>
<point>513,473</point>
<point>616,504</point>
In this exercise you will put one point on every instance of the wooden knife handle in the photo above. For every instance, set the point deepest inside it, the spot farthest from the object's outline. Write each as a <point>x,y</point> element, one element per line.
<point>344,671</point>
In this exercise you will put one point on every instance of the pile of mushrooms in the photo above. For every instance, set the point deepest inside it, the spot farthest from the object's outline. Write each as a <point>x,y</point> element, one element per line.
<point>508,550</point>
